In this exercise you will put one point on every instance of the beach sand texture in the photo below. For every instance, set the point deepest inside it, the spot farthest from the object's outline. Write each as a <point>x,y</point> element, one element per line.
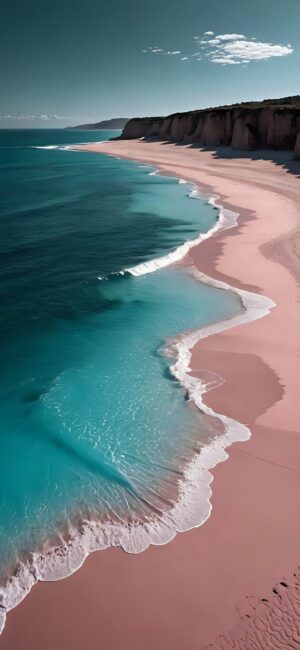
<point>232,583</point>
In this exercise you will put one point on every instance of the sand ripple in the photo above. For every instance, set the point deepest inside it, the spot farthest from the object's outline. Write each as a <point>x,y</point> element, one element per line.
<point>271,623</point>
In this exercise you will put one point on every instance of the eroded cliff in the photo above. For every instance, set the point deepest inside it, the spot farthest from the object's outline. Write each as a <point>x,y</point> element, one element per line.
<point>272,124</point>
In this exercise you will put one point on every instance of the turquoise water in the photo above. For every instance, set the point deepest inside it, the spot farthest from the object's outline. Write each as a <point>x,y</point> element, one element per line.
<point>92,421</point>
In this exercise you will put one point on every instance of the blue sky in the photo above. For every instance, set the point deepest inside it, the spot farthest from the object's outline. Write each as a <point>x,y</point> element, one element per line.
<point>66,62</point>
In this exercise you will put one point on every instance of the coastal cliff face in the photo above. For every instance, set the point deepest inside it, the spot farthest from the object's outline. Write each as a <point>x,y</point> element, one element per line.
<point>246,127</point>
<point>297,147</point>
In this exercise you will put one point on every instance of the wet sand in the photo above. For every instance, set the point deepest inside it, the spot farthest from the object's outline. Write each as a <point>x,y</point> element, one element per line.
<point>210,582</point>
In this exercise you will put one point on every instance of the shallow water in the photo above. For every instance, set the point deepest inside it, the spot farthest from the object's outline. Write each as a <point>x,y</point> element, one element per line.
<point>92,420</point>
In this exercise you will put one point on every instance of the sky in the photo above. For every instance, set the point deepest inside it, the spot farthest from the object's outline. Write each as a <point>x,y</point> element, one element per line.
<point>68,62</point>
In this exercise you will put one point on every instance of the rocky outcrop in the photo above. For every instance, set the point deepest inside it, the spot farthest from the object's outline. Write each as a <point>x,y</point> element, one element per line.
<point>272,124</point>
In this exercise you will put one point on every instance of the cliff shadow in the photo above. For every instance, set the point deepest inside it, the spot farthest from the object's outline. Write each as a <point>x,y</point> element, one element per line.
<point>282,158</point>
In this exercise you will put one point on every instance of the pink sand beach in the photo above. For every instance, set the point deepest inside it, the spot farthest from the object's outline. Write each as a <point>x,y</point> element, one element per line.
<point>233,582</point>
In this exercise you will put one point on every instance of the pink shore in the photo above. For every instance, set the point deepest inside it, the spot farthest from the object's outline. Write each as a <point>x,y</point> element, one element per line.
<point>206,586</point>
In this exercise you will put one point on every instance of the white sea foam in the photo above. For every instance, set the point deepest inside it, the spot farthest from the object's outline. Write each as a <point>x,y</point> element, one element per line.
<point>66,147</point>
<point>227,219</point>
<point>193,505</point>
<point>48,146</point>
<point>59,147</point>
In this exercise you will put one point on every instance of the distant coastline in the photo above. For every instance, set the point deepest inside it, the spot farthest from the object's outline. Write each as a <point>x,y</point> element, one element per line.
<point>114,124</point>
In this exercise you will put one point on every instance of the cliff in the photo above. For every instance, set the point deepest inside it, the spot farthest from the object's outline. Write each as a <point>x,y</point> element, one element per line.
<point>116,123</point>
<point>297,148</point>
<point>271,124</point>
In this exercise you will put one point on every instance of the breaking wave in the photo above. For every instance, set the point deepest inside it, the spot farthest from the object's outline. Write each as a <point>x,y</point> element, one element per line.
<point>226,219</point>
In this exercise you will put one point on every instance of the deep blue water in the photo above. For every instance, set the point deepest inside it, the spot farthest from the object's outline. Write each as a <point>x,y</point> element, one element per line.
<point>91,419</point>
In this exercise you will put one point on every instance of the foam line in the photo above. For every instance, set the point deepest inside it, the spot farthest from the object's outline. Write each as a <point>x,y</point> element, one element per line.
<point>66,147</point>
<point>226,219</point>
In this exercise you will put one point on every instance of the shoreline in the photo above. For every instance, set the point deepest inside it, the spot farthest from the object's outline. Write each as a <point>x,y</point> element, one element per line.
<point>208,351</point>
<point>40,565</point>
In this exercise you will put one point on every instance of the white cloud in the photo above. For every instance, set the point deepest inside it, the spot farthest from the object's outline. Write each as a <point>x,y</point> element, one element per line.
<point>225,60</point>
<point>43,116</point>
<point>155,49</point>
<point>159,50</point>
<point>228,49</point>
<point>232,49</point>
<point>255,50</point>
<point>230,37</point>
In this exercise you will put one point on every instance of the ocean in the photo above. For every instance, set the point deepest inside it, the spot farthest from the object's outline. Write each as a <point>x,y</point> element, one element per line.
<point>95,426</point>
